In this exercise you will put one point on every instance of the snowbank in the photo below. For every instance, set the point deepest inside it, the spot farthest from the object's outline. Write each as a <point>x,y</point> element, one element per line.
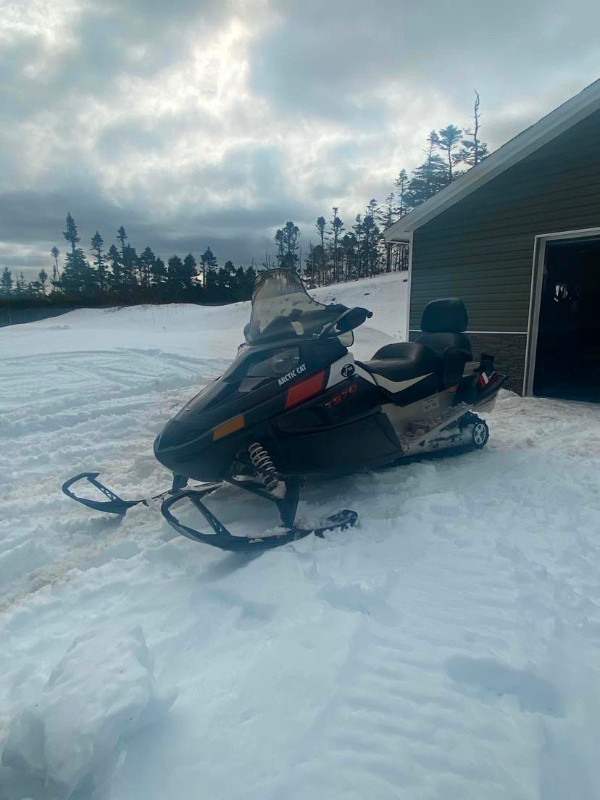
<point>102,692</point>
<point>196,331</point>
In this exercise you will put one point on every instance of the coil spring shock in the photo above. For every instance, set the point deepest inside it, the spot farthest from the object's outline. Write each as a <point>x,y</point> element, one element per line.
<point>263,464</point>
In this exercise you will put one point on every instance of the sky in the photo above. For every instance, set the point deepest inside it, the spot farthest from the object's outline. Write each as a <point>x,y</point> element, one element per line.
<point>196,122</point>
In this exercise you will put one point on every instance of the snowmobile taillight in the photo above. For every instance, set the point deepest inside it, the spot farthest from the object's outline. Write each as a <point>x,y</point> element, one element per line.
<point>487,373</point>
<point>231,426</point>
<point>305,389</point>
<point>486,380</point>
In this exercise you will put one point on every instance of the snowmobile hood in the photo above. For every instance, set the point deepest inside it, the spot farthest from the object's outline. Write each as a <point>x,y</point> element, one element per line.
<point>256,384</point>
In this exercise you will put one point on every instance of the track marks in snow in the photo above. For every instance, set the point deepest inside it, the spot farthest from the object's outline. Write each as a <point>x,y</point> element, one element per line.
<point>394,724</point>
<point>74,411</point>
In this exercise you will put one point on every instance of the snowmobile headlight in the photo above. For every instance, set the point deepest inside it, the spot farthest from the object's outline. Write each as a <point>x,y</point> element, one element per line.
<point>277,364</point>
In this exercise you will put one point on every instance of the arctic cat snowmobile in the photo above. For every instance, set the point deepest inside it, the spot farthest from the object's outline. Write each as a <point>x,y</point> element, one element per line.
<point>295,405</point>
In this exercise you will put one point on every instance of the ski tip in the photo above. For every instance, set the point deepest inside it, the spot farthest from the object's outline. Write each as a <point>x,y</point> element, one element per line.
<point>338,522</point>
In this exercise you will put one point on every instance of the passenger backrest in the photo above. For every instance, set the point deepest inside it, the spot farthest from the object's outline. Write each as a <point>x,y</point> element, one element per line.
<point>443,324</point>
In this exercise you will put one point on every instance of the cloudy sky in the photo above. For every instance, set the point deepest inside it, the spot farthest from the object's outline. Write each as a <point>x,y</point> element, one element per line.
<point>197,122</point>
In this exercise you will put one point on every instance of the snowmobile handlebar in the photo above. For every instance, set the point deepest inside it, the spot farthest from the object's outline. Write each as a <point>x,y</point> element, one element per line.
<point>348,320</point>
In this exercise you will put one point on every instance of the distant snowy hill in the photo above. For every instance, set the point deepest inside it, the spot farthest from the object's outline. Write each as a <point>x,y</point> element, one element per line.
<point>447,647</point>
<point>190,329</point>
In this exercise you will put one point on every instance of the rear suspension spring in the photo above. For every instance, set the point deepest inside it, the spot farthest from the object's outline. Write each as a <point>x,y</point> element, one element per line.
<point>263,464</point>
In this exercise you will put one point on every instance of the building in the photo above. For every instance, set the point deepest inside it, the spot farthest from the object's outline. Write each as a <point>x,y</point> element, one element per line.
<point>518,239</point>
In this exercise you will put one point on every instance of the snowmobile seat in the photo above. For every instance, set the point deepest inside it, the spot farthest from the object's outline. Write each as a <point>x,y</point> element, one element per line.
<point>441,350</point>
<point>395,364</point>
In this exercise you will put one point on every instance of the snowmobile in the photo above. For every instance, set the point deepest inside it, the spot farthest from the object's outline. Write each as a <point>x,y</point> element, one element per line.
<point>295,405</point>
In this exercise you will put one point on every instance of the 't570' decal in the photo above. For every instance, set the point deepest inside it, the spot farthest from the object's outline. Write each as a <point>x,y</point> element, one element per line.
<point>343,395</point>
<point>293,374</point>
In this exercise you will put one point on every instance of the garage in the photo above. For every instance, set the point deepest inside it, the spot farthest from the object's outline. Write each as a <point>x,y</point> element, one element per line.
<point>518,239</point>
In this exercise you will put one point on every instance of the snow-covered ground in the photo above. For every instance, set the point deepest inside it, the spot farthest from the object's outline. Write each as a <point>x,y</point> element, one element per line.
<point>448,648</point>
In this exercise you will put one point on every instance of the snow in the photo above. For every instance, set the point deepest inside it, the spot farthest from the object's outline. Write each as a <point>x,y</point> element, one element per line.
<point>106,677</point>
<point>447,647</point>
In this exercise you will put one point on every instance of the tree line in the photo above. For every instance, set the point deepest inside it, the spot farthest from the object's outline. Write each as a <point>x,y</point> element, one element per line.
<point>359,251</point>
<point>121,276</point>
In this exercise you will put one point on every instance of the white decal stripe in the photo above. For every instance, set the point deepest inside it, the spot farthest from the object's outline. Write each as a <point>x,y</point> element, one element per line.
<point>364,374</point>
<point>398,386</point>
<point>335,370</point>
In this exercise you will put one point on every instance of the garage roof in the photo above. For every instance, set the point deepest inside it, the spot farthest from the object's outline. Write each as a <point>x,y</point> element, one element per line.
<point>549,127</point>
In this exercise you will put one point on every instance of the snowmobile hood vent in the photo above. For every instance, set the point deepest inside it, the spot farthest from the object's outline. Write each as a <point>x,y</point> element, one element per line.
<point>448,315</point>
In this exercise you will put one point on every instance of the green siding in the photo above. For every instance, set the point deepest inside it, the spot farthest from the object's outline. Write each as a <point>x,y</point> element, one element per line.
<point>481,249</point>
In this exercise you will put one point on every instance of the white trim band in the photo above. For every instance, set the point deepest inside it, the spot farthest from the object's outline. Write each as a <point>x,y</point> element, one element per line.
<point>495,333</point>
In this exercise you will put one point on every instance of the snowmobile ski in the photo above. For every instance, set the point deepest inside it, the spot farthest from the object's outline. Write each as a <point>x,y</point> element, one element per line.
<point>116,504</point>
<point>220,537</point>
<point>224,540</point>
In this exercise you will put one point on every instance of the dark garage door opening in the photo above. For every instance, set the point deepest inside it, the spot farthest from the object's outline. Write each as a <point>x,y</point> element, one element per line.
<point>568,346</point>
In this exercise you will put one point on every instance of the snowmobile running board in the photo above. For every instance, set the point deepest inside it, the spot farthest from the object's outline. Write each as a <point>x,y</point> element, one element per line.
<point>221,537</point>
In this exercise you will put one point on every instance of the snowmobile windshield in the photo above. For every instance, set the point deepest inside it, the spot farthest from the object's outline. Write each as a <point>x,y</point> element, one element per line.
<point>282,309</point>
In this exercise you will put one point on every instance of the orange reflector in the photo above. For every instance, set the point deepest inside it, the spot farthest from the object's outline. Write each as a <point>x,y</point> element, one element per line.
<point>453,388</point>
<point>304,390</point>
<point>231,426</point>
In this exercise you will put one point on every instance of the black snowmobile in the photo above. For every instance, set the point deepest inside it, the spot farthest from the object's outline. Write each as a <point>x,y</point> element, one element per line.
<point>295,405</point>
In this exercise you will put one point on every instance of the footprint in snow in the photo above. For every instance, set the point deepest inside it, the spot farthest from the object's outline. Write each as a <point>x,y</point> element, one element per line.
<point>354,598</point>
<point>533,694</point>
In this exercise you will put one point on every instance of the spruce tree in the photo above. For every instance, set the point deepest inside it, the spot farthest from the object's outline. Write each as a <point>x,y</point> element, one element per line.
<point>115,277</point>
<point>401,185</point>
<point>97,245</point>
<point>338,227</point>
<point>190,272</point>
<point>349,246</point>
<point>146,261</point>
<point>129,267</point>
<point>287,246</point>
<point>429,177</point>
<point>311,267</point>
<point>448,143</point>
<point>122,238</point>
<point>77,278</point>
<point>158,277</point>
<point>55,252</point>
<point>71,234</point>
<point>43,276</point>
<point>370,244</point>
<point>386,218</point>
<point>320,226</point>
<point>358,235</point>
<point>175,278</point>
<point>6,282</point>
<point>207,263</point>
